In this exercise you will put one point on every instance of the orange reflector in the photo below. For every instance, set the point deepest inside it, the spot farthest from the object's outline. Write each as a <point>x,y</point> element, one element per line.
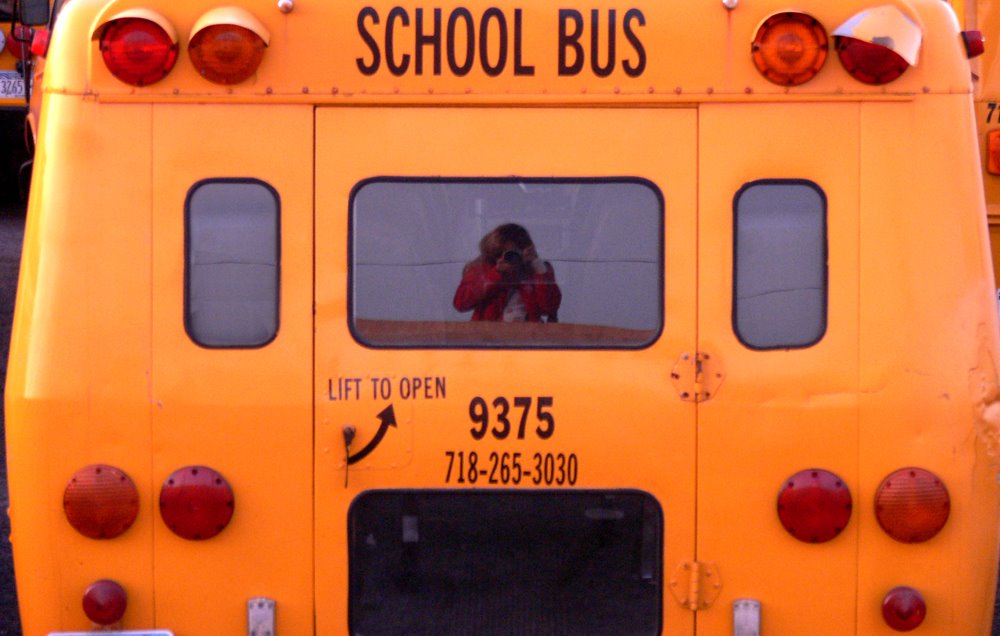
<point>226,53</point>
<point>101,501</point>
<point>993,152</point>
<point>912,505</point>
<point>789,48</point>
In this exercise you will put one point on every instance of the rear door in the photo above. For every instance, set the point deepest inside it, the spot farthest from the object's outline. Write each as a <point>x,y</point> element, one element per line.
<point>495,475</point>
<point>778,318</point>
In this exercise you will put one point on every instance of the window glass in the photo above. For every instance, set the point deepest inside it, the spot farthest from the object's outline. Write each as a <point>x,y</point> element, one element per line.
<point>505,262</point>
<point>231,263</point>
<point>780,264</point>
<point>503,562</point>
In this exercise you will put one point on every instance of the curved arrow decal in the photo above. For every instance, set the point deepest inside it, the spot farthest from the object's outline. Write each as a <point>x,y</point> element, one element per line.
<point>388,418</point>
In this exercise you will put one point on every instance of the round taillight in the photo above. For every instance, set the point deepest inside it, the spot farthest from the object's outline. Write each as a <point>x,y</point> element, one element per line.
<point>138,51</point>
<point>789,48</point>
<point>196,503</point>
<point>104,602</point>
<point>975,43</point>
<point>19,41</point>
<point>903,608</point>
<point>912,505</point>
<point>869,63</point>
<point>101,501</point>
<point>226,53</point>
<point>814,505</point>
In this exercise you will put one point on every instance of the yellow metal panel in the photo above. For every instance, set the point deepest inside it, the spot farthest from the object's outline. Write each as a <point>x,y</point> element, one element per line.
<point>77,386</point>
<point>244,412</point>
<point>614,408</point>
<point>926,354</point>
<point>779,411</point>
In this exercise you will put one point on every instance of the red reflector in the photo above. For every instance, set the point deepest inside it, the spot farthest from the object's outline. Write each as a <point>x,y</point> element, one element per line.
<point>903,609</point>
<point>137,51</point>
<point>226,53</point>
<point>196,503</point>
<point>975,43</point>
<point>814,505</point>
<point>869,63</point>
<point>101,501</point>
<point>912,505</point>
<point>789,48</point>
<point>104,602</point>
<point>993,152</point>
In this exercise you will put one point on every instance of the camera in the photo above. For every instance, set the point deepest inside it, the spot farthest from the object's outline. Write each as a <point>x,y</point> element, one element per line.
<point>512,256</point>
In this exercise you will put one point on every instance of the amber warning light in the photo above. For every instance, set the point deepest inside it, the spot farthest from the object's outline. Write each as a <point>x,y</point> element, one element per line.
<point>789,48</point>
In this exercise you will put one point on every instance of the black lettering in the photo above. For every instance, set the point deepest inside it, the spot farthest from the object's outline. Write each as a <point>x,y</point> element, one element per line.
<point>496,14</point>
<point>434,39</point>
<point>461,70</point>
<point>595,46</point>
<point>368,69</point>
<point>519,67</point>
<point>633,39</point>
<point>397,13</point>
<point>569,40</point>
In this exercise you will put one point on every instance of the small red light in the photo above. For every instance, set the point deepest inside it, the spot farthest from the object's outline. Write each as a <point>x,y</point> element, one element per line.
<point>869,63</point>
<point>104,602</point>
<point>814,505</point>
<point>226,53</point>
<point>40,43</point>
<point>993,152</point>
<point>903,609</point>
<point>101,501</point>
<point>137,51</point>
<point>912,505</point>
<point>19,41</point>
<point>975,43</point>
<point>196,503</point>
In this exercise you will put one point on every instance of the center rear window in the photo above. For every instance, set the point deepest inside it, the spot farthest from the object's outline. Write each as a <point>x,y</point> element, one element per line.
<point>506,262</point>
<point>503,562</point>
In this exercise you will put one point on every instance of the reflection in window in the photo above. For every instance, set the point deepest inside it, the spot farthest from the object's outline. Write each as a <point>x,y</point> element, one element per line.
<point>780,264</point>
<point>231,263</point>
<point>505,262</point>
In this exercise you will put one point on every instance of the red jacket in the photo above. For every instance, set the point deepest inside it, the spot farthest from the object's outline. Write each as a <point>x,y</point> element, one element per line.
<point>484,292</point>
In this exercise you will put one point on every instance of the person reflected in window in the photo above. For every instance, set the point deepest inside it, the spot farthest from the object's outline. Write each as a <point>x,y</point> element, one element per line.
<point>508,281</point>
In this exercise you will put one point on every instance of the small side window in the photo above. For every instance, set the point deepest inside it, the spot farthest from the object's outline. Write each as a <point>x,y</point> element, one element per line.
<point>231,263</point>
<point>780,264</point>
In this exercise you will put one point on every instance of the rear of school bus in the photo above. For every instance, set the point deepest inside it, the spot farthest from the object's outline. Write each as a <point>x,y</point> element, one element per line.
<point>245,397</point>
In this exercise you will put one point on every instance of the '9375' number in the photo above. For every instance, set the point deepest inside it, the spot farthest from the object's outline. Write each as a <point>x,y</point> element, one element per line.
<point>505,419</point>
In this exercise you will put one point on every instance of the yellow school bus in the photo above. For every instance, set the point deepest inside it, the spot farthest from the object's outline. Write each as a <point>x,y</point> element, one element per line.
<point>630,318</point>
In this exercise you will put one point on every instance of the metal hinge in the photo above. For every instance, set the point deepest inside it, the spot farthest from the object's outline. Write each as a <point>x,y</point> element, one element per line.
<point>697,376</point>
<point>695,585</point>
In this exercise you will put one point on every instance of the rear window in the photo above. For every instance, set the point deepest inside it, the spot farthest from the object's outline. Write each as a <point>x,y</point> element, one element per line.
<point>506,262</point>
<point>502,562</point>
<point>780,264</point>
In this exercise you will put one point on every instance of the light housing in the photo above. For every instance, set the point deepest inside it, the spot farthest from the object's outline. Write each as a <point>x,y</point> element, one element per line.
<point>814,505</point>
<point>912,505</point>
<point>104,602</point>
<point>196,503</point>
<point>789,48</point>
<point>974,42</point>
<point>139,46</point>
<point>877,45</point>
<point>101,501</point>
<point>19,41</point>
<point>903,608</point>
<point>993,152</point>
<point>227,45</point>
